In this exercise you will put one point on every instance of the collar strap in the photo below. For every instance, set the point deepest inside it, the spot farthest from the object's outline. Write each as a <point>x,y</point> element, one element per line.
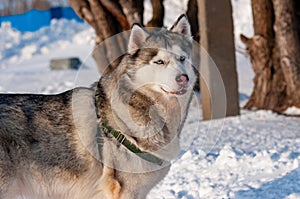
<point>130,146</point>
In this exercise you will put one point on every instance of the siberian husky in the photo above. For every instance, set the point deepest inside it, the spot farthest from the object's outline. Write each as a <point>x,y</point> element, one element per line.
<point>111,142</point>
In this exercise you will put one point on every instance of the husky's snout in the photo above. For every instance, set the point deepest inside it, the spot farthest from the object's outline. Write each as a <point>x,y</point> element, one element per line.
<point>182,79</point>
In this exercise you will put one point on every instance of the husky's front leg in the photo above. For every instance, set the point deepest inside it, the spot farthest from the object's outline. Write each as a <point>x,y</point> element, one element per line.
<point>111,186</point>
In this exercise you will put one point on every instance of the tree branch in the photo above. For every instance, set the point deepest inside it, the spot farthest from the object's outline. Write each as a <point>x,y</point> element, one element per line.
<point>82,9</point>
<point>117,12</point>
<point>158,11</point>
<point>133,10</point>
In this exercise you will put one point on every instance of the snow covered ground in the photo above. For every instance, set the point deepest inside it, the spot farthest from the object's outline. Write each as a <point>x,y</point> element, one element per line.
<point>255,155</point>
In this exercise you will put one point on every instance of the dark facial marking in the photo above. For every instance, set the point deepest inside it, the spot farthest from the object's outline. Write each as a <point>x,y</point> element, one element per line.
<point>143,56</point>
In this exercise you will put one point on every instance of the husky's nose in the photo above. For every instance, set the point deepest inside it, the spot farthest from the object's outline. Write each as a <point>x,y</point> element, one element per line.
<point>182,79</point>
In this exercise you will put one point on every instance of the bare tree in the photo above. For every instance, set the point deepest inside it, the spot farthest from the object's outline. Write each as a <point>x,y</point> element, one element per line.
<point>219,86</point>
<point>274,52</point>
<point>158,14</point>
<point>11,7</point>
<point>40,4</point>
<point>192,14</point>
<point>110,17</point>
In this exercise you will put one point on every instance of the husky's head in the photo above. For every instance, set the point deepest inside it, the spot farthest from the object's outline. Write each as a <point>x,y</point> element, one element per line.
<point>149,91</point>
<point>161,60</point>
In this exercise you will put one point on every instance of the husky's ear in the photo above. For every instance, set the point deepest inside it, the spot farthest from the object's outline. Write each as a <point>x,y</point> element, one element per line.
<point>182,26</point>
<point>137,37</point>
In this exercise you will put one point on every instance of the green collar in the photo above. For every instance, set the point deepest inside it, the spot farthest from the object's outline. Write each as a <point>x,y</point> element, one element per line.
<point>130,146</point>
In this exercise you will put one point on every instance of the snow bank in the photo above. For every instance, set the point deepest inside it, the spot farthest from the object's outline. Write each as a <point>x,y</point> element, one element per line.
<point>25,57</point>
<point>256,156</point>
<point>17,47</point>
<point>292,111</point>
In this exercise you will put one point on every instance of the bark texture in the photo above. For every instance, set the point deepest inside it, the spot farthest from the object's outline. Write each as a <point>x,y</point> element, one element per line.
<point>12,7</point>
<point>192,14</point>
<point>108,18</point>
<point>274,51</point>
<point>287,38</point>
<point>219,86</point>
<point>158,13</point>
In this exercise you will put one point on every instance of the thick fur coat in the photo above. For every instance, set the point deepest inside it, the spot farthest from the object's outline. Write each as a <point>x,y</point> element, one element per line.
<point>52,146</point>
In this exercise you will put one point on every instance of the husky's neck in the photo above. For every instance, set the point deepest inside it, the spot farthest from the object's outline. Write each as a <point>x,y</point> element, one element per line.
<point>148,119</point>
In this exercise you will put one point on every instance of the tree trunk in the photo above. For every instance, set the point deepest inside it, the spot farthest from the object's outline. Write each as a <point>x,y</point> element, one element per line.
<point>158,13</point>
<point>219,86</point>
<point>133,10</point>
<point>287,38</point>
<point>108,18</point>
<point>273,51</point>
<point>192,14</point>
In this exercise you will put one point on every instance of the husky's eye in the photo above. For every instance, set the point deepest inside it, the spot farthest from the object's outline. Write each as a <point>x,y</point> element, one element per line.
<point>182,58</point>
<point>159,62</point>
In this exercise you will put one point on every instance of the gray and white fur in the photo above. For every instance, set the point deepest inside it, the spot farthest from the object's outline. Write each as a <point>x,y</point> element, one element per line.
<point>51,146</point>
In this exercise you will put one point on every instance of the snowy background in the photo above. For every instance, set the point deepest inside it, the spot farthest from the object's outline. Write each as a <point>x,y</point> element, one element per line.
<point>255,155</point>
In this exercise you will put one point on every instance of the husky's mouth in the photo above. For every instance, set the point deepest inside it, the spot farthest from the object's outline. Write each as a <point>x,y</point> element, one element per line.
<point>180,91</point>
